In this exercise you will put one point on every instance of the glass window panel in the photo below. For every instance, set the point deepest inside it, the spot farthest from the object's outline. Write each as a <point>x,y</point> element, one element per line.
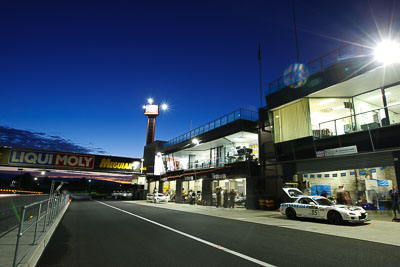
<point>231,117</point>
<point>246,115</point>
<point>314,67</point>
<point>224,120</point>
<point>326,112</point>
<point>217,123</point>
<point>206,127</point>
<point>237,114</point>
<point>212,125</point>
<point>196,132</point>
<point>393,103</point>
<point>369,120</point>
<point>367,109</point>
<point>201,130</point>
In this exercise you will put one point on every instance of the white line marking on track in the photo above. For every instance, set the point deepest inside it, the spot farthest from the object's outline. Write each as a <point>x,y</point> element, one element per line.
<point>238,254</point>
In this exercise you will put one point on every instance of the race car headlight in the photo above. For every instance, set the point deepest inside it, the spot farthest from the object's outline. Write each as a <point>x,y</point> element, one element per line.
<point>351,213</point>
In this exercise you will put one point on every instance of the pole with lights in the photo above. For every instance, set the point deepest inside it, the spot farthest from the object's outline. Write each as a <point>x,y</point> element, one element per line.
<point>90,182</point>
<point>151,110</point>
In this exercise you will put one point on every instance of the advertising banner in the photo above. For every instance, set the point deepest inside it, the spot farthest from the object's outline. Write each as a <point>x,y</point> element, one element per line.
<point>117,164</point>
<point>151,110</point>
<point>340,151</point>
<point>60,160</point>
<point>50,159</point>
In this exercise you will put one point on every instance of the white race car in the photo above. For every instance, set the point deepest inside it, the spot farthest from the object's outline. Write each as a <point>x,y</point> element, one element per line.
<point>157,198</point>
<point>322,208</point>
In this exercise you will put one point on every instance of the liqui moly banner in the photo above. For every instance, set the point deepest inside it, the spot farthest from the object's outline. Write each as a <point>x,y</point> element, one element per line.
<point>50,159</point>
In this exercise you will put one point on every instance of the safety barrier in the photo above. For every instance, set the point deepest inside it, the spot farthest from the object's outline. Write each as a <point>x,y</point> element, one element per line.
<point>47,209</point>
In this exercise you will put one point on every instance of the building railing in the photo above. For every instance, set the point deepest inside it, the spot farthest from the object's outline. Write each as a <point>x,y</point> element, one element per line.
<point>215,162</point>
<point>243,114</point>
<point>354,123</point>
<point>341,54</point>
<point>48,210</point>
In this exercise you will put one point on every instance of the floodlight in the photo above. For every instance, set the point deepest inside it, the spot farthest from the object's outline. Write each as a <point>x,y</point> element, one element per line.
<point>150,101</point>
<point>164,106</point>
<point>388,52</point>
<point>195,141</point>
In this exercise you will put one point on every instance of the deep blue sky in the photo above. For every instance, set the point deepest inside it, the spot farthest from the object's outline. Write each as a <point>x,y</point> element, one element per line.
<point>83,69</point>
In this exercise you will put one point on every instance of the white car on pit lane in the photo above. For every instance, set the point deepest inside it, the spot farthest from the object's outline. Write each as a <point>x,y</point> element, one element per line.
<point>322,208</point>
<point>157,198</point>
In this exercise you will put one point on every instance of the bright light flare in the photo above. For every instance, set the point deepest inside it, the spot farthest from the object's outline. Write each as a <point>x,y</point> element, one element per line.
<point>164,106</point>
<point>150,100</point>
<point>388,52</point>
<point>195,141</point>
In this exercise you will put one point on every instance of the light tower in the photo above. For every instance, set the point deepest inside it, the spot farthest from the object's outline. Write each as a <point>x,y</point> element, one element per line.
<point>151,111</point>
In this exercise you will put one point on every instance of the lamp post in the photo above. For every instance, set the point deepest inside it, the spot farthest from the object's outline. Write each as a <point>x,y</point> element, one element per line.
<point>141,166</point>
<point>90,182</point>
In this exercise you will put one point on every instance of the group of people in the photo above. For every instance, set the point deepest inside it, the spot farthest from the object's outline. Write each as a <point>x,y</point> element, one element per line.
<point>229,198</point>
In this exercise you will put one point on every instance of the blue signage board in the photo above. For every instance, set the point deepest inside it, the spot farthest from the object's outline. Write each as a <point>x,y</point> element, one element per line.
<point>372,170</point>
<point>363,172</point>
<point>318,190</point>
<point>352,173</point>
<point>343,174</point>
<point>312,176</point>
<point>382,182</point>
<point>334,175</point>
<point>319,175</point>
<point>305,175</point>
<point>326,175</point>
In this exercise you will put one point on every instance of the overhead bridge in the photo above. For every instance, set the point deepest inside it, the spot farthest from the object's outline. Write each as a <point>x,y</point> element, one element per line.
<point>47,160</point>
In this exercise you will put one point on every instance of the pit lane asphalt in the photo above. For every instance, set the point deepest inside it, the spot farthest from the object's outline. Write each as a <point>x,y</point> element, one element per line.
<point>92,234</point>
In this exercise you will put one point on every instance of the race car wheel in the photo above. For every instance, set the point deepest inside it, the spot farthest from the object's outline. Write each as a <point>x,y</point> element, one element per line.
<point>334,217</point>
<point>290,213</point>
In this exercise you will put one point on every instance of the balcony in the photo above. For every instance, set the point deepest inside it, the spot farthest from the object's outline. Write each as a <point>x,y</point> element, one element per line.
<point>240,114</point>
<point>348,53</point>
<point>241,157</point>
<point>364,121</point>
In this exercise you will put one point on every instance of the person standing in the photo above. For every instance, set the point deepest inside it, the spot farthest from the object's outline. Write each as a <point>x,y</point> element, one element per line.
<point>218,197</point>
<point>193,197</point>
<point>340,198</point>
<point>232,195</point>
<point>226,197</point>
<point>394,193</point>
